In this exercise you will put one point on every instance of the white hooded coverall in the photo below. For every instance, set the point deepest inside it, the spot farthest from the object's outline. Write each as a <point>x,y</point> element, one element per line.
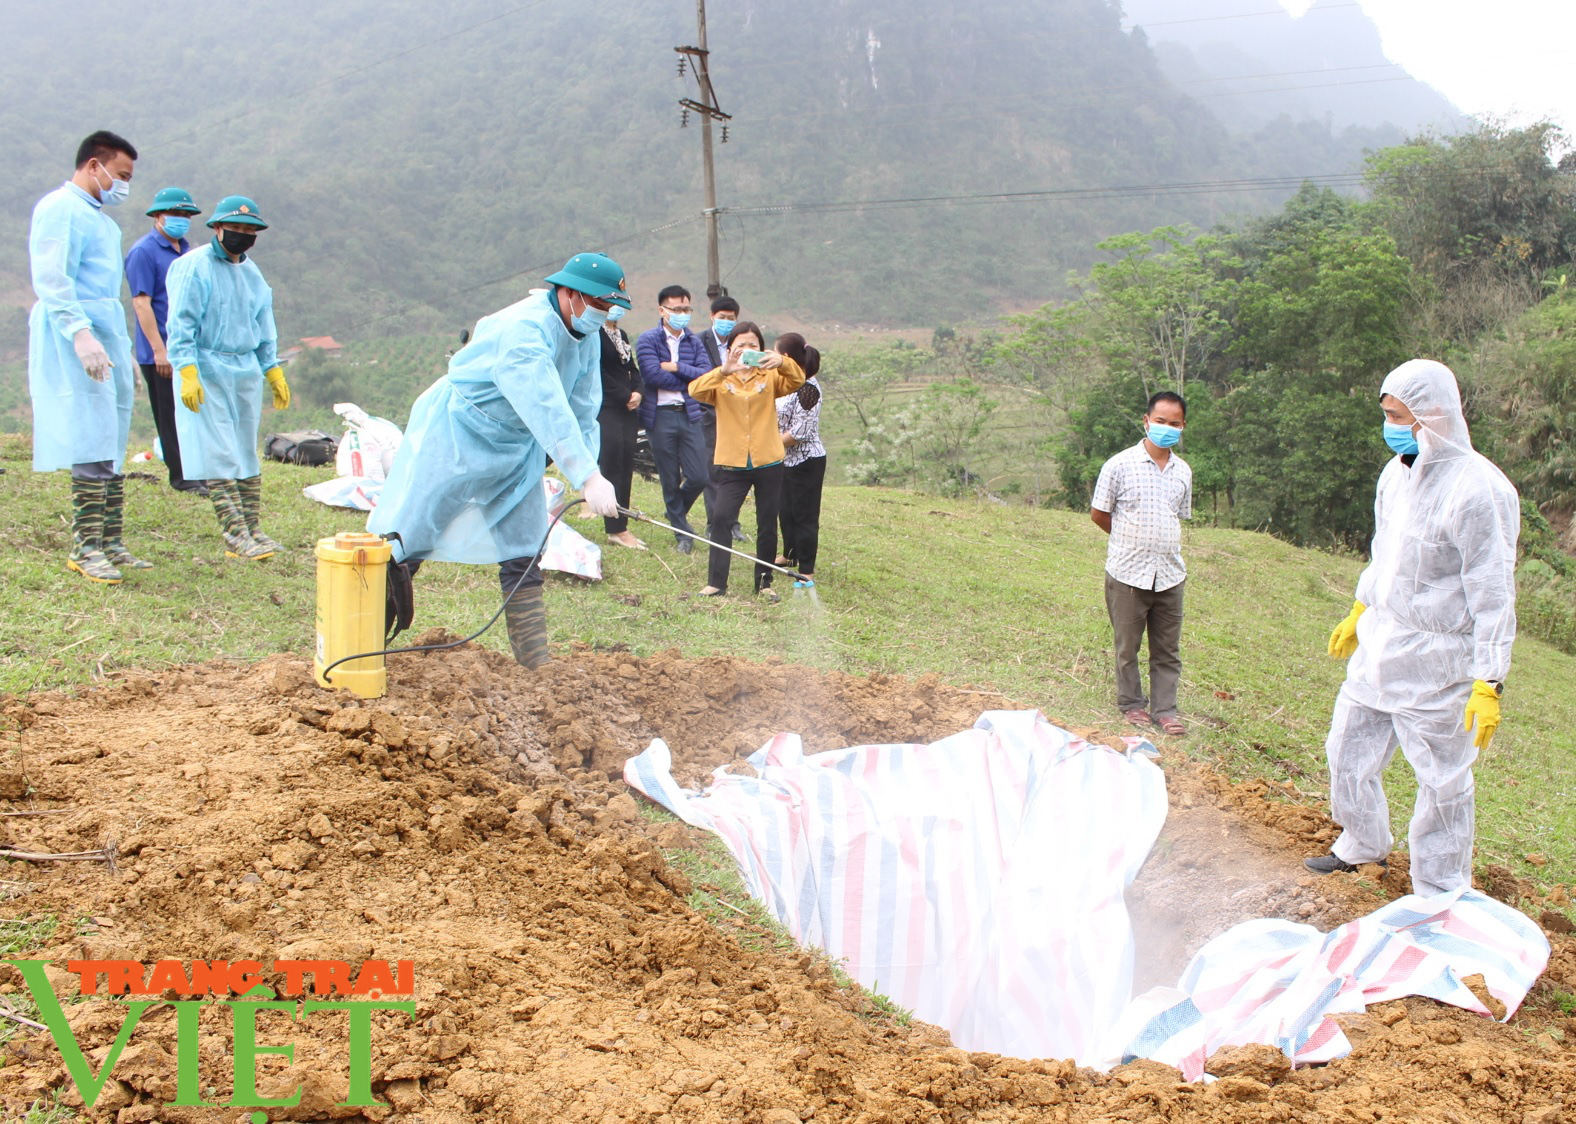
<point>1441,612</point>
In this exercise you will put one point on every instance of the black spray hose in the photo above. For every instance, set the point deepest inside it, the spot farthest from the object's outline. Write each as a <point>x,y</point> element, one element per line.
<point>536,564</point>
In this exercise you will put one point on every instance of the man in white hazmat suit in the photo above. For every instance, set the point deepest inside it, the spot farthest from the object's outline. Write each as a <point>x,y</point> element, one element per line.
<point>80,373</point>
<point>1428,637</point>
<point>466,484</point>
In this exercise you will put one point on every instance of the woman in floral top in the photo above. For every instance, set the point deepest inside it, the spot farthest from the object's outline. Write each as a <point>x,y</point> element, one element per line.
<point>804,465</point>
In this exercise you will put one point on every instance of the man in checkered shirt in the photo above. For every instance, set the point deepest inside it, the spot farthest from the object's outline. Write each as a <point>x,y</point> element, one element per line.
<point>1140,500</point>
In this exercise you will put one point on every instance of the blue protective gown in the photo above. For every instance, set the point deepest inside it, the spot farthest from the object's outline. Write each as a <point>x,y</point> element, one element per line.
<point>222,320</point>
<point>466,485</point>
<point>75,251</point>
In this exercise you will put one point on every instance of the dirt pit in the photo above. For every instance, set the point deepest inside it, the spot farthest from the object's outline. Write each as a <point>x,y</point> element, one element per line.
<point>472,822</point>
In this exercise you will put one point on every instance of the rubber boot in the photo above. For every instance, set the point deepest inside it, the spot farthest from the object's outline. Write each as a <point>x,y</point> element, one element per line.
<point>251,508</point>
<point>238,541</point>
<point>526,615</point>
<point>114,522</point>
<point>87,533</point>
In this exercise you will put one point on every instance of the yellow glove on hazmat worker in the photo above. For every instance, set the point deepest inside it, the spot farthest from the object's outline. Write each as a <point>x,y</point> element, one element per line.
<point>191,388</point>
<point>281,389</point>
<point>1343,641</point>
<point>1482,712</point>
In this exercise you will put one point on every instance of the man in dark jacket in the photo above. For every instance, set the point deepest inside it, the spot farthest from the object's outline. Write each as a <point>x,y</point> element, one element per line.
<point>670,357</point>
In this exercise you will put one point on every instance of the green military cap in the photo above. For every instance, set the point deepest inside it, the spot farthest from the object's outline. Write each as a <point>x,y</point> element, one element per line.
<point>237,209</point>
<point>176,199</point>
<point>595,275</point>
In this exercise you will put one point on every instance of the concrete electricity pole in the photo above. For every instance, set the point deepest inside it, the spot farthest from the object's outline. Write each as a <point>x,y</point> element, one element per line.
<point>709,111</point>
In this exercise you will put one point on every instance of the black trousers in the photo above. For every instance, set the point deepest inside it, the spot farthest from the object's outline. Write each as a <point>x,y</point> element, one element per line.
<point>679,448</point>
<point>801,514</point>
<point>732,485</point>
<point>161,396</point>
<point>620,427</point>
<point>509,571</point>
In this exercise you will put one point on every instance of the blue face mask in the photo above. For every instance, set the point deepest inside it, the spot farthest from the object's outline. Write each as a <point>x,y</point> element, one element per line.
<point>176,226</point>
<point>115,194</point>
<point>616,313</point>
<point>722,327</point>
<point>1164,435</point>
<point>1400,438</point>
<point>591,320</point>
<point>678,321</point>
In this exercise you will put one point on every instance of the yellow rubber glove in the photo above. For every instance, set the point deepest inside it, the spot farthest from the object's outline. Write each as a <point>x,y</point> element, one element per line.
<point>1343,641</point>
<point>1482,712</point>
<point>276,379</point>
<point>191,388</point>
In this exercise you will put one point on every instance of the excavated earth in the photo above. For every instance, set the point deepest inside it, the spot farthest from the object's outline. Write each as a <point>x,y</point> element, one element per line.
<point>473,822</point>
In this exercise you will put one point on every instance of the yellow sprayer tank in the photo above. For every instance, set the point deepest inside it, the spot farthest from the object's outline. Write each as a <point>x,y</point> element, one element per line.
<point>352,574</point>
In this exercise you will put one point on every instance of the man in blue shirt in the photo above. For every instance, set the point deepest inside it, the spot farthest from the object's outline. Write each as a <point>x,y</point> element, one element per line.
<point>146,266</point>
<point>671,356</point>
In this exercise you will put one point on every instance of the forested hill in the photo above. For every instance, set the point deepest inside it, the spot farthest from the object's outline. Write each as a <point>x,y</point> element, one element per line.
<point>409,153</point>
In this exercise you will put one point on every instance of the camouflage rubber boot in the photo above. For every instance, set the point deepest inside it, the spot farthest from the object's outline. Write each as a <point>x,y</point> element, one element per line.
<point>526,615</point>
<point>87,533</point>
<point>238,542</point>
<point>114,522</point>
<point>251,508</point>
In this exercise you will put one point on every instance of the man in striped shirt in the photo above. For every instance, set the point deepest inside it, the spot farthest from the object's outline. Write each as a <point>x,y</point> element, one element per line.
<point>1140,499</point>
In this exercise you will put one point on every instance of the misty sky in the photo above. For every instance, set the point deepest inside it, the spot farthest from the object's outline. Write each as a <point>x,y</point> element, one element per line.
<point>1504,58</point>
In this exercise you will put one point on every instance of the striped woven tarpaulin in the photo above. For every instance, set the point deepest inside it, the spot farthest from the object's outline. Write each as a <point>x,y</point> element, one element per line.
<point>977,880</point>
<point>1278,982</point>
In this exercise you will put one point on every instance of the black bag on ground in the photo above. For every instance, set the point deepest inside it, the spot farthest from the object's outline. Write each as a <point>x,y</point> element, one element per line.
<point>304,446</point>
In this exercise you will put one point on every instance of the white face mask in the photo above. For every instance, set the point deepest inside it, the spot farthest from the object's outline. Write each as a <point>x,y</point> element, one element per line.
<point>116,193</point>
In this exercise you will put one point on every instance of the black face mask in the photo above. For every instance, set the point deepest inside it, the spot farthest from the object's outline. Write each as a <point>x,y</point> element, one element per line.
<point>234,242</point>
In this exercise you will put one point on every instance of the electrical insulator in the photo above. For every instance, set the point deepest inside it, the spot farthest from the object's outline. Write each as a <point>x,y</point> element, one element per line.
<point>682,61</point>
<point>725,134</point>
<point>684,120</point>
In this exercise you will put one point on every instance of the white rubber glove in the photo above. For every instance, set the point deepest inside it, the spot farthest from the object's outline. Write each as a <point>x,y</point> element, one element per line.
<point>599,496</point>
<point>95,360</point>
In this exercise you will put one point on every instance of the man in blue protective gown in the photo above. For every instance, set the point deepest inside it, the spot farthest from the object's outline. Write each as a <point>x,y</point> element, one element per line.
<point>224,344</point>
<point>466,485</point>
<point>79,367</point>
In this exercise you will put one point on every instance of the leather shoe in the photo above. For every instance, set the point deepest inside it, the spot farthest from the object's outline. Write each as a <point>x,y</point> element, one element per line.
<point>686,546</point>
<point>1330,864</point>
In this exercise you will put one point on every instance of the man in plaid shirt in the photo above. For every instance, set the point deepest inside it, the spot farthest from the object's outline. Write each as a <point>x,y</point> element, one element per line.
<point>1140,499</point>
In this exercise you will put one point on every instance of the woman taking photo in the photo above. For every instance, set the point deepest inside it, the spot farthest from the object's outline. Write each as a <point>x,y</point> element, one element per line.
<point>744,392</point>
<point>804,466</point>
<point>620,424</point>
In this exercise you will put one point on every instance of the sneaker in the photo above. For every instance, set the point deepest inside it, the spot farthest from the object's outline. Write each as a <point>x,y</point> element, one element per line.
<point>1330,864</point>
<point>246,548</point>
<point>92,565</point>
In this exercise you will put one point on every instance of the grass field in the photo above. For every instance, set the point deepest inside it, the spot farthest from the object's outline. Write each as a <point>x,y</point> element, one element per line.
<point>998,596</point>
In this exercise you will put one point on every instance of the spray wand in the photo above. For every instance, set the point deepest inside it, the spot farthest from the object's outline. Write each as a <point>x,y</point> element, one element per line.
<point>799,580</point>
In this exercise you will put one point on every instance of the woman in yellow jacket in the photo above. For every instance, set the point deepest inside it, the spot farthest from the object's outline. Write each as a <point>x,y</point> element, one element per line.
<point>744,392</point>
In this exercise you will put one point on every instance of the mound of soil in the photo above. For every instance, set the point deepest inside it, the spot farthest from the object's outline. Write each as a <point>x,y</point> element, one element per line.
<point>472,822</point>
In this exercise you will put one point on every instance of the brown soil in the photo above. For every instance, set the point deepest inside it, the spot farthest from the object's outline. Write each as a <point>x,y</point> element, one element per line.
<point>468,822</point>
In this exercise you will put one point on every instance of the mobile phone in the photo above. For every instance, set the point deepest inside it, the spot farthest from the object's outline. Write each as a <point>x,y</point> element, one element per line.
<point>752,358</point>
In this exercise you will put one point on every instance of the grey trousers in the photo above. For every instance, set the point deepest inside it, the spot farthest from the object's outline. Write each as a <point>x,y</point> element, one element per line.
<point>1133,613</point>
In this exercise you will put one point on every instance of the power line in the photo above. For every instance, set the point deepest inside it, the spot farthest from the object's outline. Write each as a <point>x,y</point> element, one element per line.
<point>536,268</point>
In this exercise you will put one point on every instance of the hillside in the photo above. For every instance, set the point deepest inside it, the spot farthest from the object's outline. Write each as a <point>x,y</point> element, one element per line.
<point>410,157</point>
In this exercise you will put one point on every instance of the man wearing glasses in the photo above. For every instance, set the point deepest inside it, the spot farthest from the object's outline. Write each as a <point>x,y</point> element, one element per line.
<point>671,357</point>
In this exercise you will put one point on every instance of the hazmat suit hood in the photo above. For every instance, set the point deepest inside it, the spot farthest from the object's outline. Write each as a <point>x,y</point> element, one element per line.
<point>1430,391</point>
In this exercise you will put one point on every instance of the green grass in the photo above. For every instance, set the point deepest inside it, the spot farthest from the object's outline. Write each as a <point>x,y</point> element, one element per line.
<point>52,1113</point>
<point>999,596</point>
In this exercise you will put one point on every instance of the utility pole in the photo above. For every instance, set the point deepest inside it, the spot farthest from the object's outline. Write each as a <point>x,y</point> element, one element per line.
<point>709,111</point>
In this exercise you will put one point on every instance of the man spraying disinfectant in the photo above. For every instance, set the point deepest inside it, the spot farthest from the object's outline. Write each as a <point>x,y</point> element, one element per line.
<point>1428,638</point>
<point>466,485</point>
